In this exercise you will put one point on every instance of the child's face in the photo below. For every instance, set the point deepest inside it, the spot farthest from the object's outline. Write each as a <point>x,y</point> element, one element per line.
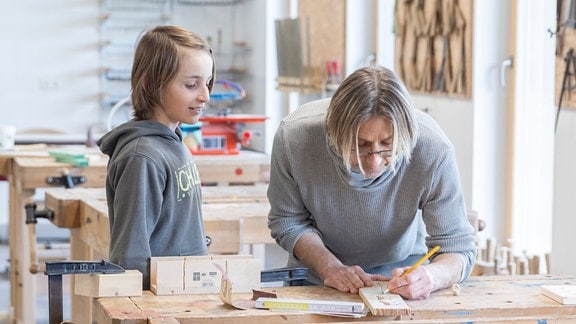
<point>187,93</point>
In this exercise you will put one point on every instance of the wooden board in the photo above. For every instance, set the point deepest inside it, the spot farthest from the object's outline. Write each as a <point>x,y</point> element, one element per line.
<point>66,205</point>
<point>246,167</point>
<point>127,284</point>
<point>493,299</point>
<point>380,303</point>
<point>200,275</point>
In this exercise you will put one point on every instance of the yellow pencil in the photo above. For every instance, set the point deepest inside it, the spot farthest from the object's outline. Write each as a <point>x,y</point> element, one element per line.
<point>418,263</point>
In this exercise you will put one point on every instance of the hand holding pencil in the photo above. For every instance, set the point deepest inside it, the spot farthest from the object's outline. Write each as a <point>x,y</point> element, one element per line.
<point>418,263</point>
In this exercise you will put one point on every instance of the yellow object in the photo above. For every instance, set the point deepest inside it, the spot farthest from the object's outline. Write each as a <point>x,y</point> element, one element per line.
<point>308,305</point>
<point>418,263</point>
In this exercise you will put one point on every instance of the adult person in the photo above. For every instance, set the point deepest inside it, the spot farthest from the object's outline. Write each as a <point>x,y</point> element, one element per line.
<point>362,185</point>
<point>152,185</point>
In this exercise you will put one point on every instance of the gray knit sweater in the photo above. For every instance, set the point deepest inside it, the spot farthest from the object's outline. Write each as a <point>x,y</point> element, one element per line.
<point>378,224</point>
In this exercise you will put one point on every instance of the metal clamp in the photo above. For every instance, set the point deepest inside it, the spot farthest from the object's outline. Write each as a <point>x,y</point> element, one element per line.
<point>66,180</point>
<point>55,270</point>
<point>32,214</point>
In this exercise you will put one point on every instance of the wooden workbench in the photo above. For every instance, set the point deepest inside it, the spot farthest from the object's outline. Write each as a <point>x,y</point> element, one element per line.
<point>482,299</point>
<point>246,167</point>
<point>27,167</point>
<point>85,213</point>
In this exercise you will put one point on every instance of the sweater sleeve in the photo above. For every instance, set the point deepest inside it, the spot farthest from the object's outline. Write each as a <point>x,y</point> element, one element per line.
<point>288,219</point>
<point>445,216</point>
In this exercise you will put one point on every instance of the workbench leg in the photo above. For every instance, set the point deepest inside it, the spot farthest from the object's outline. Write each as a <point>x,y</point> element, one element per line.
<point>81,306</point>
<point>23,288</point>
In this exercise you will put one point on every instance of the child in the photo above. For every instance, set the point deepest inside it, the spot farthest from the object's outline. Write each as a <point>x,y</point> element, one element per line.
<point>152,186</point>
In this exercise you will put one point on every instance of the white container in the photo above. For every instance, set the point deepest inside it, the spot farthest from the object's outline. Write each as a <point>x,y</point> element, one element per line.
<point>7,137</point>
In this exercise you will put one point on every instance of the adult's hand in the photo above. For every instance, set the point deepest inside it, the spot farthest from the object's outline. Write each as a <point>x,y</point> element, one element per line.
<point>350,278</point>
<point>418,284</point>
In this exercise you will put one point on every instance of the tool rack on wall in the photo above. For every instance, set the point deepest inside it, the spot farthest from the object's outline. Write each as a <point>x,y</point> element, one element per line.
<point>433,50</point>
<point>229,52</point>
<point>311,48</point>
<point>121,23</point>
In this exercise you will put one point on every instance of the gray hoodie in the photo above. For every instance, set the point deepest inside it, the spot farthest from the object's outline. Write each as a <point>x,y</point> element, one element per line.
<point>154,196</point>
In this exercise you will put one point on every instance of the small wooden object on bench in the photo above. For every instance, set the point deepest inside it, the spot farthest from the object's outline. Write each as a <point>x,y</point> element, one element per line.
<point>124,284</point>
<point>381,303</point>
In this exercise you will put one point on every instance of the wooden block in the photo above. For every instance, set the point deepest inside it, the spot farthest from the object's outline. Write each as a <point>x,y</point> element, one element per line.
<point>167,275</point>
<point>202,275</point>
<point>564,294</point>
<point>124,284</point>
<point>226,235</point>
<point>244,273</point>
<point>383,304</point>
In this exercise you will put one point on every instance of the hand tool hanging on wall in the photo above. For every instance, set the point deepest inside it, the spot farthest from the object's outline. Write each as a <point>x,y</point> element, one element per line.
<point>569,73</point>
<point>432,45</point>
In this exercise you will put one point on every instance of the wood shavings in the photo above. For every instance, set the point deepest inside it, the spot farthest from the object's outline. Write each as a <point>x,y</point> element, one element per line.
<point>456,289</point>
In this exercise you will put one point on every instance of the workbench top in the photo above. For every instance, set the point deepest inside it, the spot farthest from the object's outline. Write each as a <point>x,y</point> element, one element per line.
<point>486,298</point>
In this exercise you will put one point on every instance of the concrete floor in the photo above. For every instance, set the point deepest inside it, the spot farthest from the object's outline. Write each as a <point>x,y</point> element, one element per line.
<point>42,314</point>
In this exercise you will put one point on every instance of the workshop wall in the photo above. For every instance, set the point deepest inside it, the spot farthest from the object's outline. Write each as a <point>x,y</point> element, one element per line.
<point>50,63</point>
<point>56,55</point>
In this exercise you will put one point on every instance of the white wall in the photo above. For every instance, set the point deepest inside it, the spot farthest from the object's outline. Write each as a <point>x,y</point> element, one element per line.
<point>48,76</point>
<point>51,77</point>
<point>564,224</point>
<point>490,119</point>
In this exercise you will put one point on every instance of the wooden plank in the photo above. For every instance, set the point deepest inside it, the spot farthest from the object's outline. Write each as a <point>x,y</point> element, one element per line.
<point>254,219</point>
<point>127,283</point>
<point>199,275</point>
<point>95,226</point>
<point>39,151</point>
<point>32,173</point>
<point>482,299</point>
<point>225,236</point>
<point>253,215</point>
<point>66,202</point>
<point>208,307</point>
<point>380,303</point>
<point>246,167</point>
<point>234,194</point>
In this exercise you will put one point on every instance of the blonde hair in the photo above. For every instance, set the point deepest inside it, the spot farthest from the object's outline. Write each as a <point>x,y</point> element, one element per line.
<point>370,92</point>
<point>156,63</point>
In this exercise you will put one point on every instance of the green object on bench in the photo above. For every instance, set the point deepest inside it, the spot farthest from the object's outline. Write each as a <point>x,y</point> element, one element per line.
<point>70,158</point>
